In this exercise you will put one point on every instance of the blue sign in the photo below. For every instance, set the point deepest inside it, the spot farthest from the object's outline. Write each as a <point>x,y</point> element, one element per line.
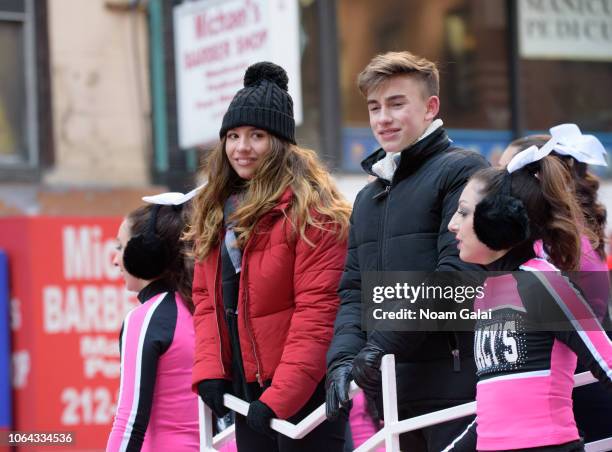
<point>490,143</point>
<point>5,346</point>
<point>359,142</point>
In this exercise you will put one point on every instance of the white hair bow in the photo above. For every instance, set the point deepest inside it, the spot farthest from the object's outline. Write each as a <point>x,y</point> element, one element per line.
<point>172,198</point>
<point>566,139</point>
<point>584,148</point>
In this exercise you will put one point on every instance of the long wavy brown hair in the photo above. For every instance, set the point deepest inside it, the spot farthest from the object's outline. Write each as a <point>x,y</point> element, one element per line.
<point>545,188</point>
<point>316,200</point>
<point>586,186</point>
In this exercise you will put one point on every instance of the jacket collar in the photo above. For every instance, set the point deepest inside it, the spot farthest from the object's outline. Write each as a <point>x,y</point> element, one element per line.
<point>413,157</point>
<point>514,258</point>
<point>284,201</point>
<point>153,288</point>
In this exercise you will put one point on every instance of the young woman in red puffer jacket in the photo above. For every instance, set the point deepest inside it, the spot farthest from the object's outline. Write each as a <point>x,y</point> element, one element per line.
<point>270,231</point>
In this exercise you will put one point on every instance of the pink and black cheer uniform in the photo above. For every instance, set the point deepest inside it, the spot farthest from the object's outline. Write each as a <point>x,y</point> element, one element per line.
<point>592,403</point>
<point>592,277</point>
<point>157,410</point>
<point>526,355</point>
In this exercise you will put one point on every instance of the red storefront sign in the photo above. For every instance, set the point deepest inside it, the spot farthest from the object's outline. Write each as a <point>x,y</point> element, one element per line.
<point>67,306</point>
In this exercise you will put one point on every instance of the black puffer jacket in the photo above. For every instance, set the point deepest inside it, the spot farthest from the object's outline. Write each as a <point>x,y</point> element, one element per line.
<point>402,226</point>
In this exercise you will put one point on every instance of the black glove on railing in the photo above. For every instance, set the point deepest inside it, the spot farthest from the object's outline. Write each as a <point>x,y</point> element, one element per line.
<point>366,369</point>
<point>259,416</point>
<point>212,392</point>
<point>337,383</point>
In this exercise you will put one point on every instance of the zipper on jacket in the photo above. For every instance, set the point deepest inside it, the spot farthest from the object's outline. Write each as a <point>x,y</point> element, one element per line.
<point>383,193</point>
<point>217,314</point>
<point>382,224</point>
<point>246,321</point>
<point>453,342</point>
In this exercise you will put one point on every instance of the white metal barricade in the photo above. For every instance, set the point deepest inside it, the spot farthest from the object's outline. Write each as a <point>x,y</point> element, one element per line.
<point>603,445</point>
<point>210,443</point>
<point>389,434</point>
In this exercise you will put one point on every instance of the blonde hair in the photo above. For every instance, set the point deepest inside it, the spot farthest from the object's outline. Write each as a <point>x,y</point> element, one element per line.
<point>389,64</point>
<point>316,200</point>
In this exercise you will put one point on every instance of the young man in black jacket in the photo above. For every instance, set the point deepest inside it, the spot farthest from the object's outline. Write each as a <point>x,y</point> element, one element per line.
<point>399,223</point>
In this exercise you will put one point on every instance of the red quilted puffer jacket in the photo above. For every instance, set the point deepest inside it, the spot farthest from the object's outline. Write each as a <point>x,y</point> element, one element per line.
<point>286,309</point>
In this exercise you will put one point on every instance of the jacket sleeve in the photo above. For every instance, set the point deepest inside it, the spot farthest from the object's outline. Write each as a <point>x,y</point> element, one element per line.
<point>404,343</point>
<point>348,336</point>
<point>317,270</point>
<point>207,359</point>
<point>457,177</point>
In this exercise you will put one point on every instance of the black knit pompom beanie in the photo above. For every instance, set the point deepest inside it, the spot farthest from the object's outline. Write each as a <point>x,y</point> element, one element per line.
<point>264,102</point>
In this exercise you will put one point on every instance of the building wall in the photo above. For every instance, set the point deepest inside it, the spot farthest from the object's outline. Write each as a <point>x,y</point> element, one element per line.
<point>100,95</point>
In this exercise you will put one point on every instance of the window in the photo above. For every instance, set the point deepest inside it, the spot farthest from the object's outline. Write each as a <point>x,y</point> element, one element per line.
<point>468,41</point>
<point>18,88</point>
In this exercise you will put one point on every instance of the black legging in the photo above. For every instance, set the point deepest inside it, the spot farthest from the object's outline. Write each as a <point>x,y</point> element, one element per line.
<point>328,437</point>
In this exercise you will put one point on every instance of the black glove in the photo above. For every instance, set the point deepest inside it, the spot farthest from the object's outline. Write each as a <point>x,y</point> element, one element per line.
<point>337,383</point>
<point>366,369</point>
<point>212,392</point>
<point>259,416</point>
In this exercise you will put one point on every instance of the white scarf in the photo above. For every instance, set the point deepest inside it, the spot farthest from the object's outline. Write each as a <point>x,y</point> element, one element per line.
<point>385,167</point>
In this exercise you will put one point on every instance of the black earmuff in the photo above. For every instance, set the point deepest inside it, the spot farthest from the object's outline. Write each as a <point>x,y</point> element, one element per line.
<point>146,256</point>
<point>500,220</point>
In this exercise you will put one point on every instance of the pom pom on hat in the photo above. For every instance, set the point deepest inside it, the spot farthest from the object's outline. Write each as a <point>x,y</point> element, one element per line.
<point>264,102</point>
<point>266,71</point>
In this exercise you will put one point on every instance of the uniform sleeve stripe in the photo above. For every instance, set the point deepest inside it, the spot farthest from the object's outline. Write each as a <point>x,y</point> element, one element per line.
<point>202,421</point>
<point>538,264</point>
<point>510,307</point>
<point>123,340</point>
<point>578,311</point>
<point>450,447</point>
<point>138,330</point>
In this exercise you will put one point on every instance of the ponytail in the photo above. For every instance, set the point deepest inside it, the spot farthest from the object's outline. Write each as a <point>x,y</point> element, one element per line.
<point>177,271</point>
<point>593,211</point>
<point>586,185</point>
<point>533,203</point>
<point>561,231</point>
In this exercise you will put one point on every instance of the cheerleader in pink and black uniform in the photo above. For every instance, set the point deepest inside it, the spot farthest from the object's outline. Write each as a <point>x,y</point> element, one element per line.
<point>157,410</point>
<point>579,153</point>
<point>525,364</point>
